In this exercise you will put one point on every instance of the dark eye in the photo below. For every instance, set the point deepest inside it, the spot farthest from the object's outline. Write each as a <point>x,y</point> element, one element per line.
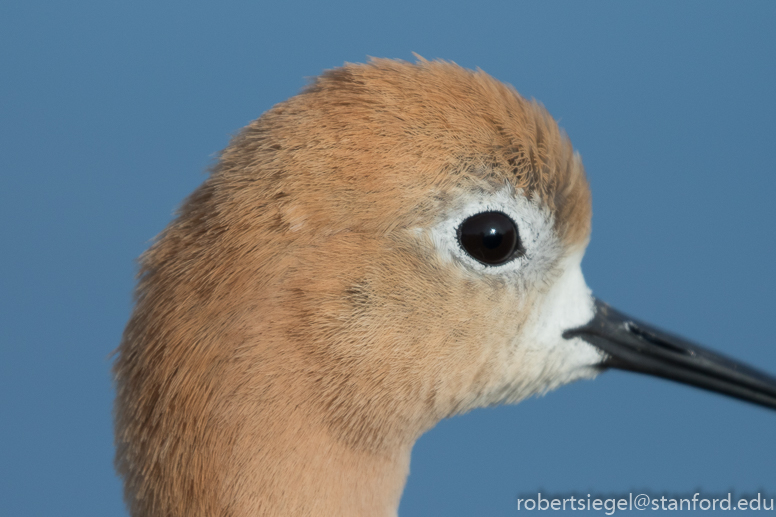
<point>491,238</point>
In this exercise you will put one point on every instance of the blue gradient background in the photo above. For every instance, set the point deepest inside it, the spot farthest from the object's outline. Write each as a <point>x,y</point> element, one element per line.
<point>110,112</point>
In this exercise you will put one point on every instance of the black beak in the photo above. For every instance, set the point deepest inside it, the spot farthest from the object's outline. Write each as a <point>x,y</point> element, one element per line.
<point>635,346</point>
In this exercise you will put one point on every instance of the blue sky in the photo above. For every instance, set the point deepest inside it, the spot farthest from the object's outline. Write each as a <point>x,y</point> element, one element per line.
<point>111,113</point>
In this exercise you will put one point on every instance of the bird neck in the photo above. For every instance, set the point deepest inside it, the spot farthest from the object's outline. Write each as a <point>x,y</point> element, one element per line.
<point>298,468</point>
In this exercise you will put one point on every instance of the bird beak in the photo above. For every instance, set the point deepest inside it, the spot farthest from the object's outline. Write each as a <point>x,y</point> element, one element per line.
<point>635,346</point>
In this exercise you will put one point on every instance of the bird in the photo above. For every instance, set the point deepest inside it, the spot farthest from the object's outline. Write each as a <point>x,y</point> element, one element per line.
<point>397,244</point>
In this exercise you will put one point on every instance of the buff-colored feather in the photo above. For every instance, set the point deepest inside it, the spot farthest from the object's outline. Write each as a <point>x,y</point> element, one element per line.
<point>295,329</point>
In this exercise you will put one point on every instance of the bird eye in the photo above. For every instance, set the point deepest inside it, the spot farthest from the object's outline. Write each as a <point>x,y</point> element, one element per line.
<point>491,238</point>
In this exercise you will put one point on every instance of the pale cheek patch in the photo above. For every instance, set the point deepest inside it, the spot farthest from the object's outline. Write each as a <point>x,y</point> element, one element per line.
<point>547,358</point>
<point>544,289</point>
<point>567,304</point>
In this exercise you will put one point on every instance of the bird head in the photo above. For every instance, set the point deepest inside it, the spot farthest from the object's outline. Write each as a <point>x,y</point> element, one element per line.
<point>396,244</point>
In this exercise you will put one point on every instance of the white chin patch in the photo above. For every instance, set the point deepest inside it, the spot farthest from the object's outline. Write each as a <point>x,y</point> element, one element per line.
<point>551,359</point>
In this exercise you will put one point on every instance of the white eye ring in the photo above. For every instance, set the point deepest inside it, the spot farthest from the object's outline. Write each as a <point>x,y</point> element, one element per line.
<point>534,225</point>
